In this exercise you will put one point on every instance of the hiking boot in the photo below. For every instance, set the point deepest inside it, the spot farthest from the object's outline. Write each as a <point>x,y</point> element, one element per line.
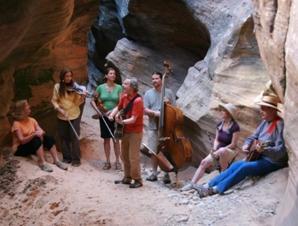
<point>166,179</point>
<point>152,177</point>
<point>61,165</point>
<point>45,167</point>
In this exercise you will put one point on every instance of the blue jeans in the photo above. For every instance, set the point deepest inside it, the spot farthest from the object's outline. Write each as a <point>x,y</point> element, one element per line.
<point>241,169</point>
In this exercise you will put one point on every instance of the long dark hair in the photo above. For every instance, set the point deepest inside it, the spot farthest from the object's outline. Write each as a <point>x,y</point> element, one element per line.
<point>62,87</point>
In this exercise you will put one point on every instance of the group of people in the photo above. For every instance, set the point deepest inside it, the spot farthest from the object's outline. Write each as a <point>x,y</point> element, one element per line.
<point>123,105</point>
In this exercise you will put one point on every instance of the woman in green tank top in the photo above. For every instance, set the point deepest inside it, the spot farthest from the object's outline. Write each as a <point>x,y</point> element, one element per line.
<point>107,96</point>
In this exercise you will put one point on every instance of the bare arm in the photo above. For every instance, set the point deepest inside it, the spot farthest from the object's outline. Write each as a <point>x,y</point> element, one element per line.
<point>215,143</point>
<point>151,113</point>
<point>24,139</point>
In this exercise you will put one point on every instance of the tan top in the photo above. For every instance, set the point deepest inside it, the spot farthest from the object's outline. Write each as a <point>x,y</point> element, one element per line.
<point>27,127</point>
<point>70,103</point>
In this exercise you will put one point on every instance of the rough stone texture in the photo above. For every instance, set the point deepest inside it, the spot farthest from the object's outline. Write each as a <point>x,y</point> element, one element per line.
<point>276,31</point>
<point>37,39</point>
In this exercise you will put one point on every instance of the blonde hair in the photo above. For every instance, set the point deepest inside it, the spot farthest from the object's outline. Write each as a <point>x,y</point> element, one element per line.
<point>19,110</point>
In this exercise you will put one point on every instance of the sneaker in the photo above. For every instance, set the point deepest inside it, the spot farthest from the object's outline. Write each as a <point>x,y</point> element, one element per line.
<point>46,168</point>
<point>152,177</point>
<point>61,165</point>
<point>189,186</point>
<point>166,179</point>
<point>136,184</point>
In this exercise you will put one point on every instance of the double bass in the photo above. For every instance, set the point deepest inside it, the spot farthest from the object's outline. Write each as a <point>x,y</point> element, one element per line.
<point>174,149</point>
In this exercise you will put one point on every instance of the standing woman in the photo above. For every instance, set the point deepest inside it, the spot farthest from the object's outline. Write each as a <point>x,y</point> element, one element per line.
<point>107,96</point>
<point>67,103</point>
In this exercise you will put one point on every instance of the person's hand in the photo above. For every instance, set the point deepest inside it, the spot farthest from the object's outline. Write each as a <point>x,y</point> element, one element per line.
<point>258,147</point>
<point>39,133</point>
<point>166,100</point>
<point>64,113</point>
<point>110,117</point>
<point>245,149</point>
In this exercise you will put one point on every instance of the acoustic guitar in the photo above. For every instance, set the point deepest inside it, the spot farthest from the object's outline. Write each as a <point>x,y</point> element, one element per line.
<point>255,154</point>
<point>118,132</point>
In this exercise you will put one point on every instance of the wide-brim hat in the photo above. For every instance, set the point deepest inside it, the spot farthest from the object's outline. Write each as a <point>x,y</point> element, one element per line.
<point>269,101</point>
<point>230,108</point>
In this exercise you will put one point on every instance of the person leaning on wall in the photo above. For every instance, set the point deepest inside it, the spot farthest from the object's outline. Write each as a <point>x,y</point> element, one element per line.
<point>30,139</point>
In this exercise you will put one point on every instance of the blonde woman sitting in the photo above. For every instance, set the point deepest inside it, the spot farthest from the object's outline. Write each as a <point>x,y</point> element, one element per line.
<point>30,139</point>
<point>227,133</point>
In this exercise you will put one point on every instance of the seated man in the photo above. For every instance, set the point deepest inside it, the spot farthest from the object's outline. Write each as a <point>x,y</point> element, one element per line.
<point>272,157</point>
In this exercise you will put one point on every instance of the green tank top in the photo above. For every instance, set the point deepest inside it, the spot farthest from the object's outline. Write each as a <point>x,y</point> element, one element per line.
<point>109,99</point>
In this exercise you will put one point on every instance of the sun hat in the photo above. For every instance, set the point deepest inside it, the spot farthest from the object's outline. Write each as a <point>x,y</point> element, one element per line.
<point>269,101</point>
<point>231,108</point>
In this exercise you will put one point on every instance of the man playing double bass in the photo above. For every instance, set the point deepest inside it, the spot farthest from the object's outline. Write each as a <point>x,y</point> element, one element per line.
<point>152,104</point>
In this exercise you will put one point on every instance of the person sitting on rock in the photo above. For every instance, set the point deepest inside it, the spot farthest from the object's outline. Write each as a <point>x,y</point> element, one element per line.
<point>30,139</point>
<point>226,139</point>
<point>269,143</point>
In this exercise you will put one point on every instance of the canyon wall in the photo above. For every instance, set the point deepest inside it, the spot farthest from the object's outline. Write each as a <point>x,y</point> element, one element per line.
<point>38,38</point>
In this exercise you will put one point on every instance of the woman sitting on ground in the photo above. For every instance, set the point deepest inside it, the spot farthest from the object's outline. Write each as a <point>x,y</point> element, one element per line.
<point>29,138</point>
<point>227,133</point>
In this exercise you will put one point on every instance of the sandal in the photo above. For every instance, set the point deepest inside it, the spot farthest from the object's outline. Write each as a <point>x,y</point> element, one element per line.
<point>118,166</point>
<point>106,166</point>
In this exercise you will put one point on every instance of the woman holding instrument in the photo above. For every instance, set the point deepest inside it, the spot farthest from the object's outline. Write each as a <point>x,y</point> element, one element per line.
<point>66,102</point>
<point>106,98</point>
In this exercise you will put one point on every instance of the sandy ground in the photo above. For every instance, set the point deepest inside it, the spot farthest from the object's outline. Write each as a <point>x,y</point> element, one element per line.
<point>87,195</point>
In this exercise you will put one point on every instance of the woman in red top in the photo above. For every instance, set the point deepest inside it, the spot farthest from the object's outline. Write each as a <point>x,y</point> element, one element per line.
<point>132,121</point>
<point>29,138</point>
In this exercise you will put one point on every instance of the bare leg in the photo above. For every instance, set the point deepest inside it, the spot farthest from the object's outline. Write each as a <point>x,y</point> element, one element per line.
<point>40,155</point>
<point>107,148</point>
<point>205,163</point>
<point>53,152</point>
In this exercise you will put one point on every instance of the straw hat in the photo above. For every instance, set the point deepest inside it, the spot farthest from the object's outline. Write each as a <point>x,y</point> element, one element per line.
<point>269,101</point>
<point>231,108</point>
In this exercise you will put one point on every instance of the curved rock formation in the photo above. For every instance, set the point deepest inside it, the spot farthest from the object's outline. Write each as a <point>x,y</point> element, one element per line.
<point>276,31</point>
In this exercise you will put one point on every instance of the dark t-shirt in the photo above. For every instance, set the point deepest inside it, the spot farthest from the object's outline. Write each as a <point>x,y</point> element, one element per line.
<point>225,137</point>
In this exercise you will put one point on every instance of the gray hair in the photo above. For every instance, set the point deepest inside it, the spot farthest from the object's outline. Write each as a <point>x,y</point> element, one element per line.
<point>133,82</point>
